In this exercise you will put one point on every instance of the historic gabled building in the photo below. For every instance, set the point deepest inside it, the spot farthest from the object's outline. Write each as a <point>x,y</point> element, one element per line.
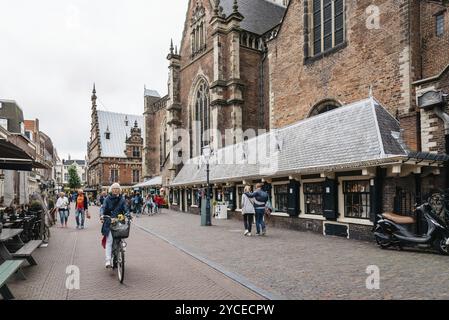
<point>354,94</point>
<point>114,149</point>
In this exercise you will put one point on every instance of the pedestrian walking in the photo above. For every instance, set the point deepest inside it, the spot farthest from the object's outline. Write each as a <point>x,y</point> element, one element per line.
<point>81,207</point>
<point>62,205</point>
<point>137,202</point>
<point>260,205</point>
<point>248,211</point>
<point>149,204</point>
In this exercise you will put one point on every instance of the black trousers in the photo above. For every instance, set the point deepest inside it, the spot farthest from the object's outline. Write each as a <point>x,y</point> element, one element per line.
<point>248,221</point>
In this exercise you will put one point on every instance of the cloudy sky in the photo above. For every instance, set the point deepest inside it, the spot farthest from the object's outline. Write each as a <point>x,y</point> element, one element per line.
<point>53,50</point>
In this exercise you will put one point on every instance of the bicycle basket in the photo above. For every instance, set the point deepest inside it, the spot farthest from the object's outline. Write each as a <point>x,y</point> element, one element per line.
<point>120,230</point>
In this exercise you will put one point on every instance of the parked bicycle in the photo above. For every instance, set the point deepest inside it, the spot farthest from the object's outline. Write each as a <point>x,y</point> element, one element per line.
<point>120,228</point>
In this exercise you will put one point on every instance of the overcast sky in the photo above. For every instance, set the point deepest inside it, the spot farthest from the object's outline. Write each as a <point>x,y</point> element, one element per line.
<point>51,52</point>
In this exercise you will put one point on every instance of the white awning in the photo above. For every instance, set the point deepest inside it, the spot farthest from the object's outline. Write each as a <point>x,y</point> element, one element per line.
<point>154,182</point>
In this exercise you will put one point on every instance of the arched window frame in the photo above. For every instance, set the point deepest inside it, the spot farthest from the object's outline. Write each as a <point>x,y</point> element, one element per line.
<point>200,113</point>
<point>324,106</point>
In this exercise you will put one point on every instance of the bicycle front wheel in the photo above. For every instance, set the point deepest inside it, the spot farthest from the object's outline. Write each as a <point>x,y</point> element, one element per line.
<point>121,264</point>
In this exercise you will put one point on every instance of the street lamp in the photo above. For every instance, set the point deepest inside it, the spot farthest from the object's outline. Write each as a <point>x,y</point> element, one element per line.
<point>206,154</point>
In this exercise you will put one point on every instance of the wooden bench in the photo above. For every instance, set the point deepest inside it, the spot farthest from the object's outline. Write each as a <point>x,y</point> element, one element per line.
<point>27,250</point>
<point>7,269</point>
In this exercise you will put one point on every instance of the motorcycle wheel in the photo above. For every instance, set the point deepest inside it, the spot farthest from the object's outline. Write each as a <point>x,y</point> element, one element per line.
<point>383,244</point>
<point>441,246</point>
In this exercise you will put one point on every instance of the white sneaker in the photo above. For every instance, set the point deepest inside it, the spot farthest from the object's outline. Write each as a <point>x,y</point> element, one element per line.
<point>249,234</point>
<point>246,232</point>
<point>108,264</point>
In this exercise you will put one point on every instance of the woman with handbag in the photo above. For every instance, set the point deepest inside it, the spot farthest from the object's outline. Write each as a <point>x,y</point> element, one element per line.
<point>248,211</point>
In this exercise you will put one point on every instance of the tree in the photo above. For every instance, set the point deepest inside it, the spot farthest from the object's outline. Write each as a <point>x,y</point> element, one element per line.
<point>74,179</point>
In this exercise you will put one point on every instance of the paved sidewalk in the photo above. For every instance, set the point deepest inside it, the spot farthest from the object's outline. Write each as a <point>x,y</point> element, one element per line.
<point>154,270</point>
<point>305,265</point>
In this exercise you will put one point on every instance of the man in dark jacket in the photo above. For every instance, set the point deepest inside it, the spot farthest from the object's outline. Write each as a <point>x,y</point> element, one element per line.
<point>81,209</point>
<point>260,201</point>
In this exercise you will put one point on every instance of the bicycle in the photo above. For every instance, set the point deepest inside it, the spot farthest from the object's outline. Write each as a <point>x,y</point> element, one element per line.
<point>120,230</point>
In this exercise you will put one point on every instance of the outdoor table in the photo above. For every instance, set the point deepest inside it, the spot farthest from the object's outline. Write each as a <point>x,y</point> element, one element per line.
<point>5,236</point>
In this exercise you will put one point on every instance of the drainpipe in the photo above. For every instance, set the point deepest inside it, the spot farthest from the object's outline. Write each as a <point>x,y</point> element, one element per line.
<point>261,90</point>
<point>439,111</point>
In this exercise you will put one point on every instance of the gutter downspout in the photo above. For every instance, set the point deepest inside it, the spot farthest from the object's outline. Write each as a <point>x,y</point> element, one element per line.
<point>261,90</point>
<point>445,117</point>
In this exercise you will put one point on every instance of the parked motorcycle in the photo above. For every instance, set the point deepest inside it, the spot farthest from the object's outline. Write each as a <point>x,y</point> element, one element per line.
<point>394,230</point>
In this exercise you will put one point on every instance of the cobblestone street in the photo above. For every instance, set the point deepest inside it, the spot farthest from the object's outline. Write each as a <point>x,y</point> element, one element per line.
<point>154,270</point>
<point>168,254</point>
<point>304,265</point>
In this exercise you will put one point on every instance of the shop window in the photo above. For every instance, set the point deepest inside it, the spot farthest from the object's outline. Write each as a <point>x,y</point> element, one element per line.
<point>357,199</point>
<point>281,197</point>
<point>404,202</point>
<point>189,197</point>
<point>195,197</point>
<point>313,198</point>
<point>175,196</point>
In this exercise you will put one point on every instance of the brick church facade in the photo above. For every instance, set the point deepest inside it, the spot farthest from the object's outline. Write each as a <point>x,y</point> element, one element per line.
<point>300,69</point>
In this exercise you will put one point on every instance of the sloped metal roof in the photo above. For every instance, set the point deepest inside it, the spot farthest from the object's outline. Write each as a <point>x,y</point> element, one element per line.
<point>358,135</point>
<point>115,124</point>
<point>260,16</point>
<point>151,93</point>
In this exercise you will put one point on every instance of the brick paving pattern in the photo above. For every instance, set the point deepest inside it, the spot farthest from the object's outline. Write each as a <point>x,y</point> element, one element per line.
<point>154,270</point>
<point>305,265</point>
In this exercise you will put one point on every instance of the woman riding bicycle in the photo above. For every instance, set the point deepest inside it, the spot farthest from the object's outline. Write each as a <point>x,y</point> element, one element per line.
<point>112,207</point>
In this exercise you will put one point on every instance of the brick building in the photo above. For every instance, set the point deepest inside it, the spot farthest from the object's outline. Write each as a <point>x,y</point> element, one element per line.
<point>307,66</point>
<point>115,148</point>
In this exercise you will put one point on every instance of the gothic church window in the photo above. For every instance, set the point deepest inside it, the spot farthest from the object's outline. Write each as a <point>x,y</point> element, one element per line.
<point>439,20</point>
<point>328,25</point>
<point>198,26</point>
<point>202,114</point>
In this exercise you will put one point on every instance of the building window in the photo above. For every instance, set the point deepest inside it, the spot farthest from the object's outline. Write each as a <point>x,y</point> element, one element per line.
<point>136,176</point>
<point>324,106</point>
<point>195,194</point>
<point>328,25</point>
<point>313,198</point>
<point>189,197</point>
<point>198,34</point>
<point>439,21</point>
<point>66,177</point>
<point>357,199</point>
<point>114,175</point>
<point>201,117</point>
<point>281,197</point>
<point>136,152</point>
<point>176,196</point>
